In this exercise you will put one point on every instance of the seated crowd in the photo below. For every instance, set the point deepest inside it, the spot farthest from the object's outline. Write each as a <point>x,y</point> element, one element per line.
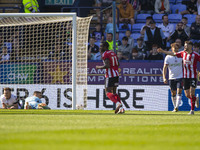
<point>152,35</point>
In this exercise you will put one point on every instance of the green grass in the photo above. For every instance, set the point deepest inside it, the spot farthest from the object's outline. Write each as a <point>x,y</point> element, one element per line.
<point>98,130</point>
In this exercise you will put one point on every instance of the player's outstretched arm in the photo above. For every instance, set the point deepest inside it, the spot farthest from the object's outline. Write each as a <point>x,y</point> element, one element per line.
<point>106,65</point>
<point>160,50</point>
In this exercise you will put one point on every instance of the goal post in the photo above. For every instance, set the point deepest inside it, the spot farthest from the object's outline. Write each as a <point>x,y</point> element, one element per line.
<point>50,50</point>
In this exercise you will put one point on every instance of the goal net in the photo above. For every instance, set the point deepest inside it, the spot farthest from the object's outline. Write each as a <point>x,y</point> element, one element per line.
<point>47,53</point>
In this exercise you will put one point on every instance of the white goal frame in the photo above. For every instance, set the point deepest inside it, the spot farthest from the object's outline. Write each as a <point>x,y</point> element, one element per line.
<point>74,42</point>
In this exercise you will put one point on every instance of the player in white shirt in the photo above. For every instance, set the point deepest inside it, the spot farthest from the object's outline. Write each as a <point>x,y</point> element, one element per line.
<point>8,100</point>
<point>175,67</point>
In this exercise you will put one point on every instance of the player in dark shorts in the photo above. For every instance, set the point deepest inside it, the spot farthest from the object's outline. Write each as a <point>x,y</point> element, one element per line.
<point>111,64</point>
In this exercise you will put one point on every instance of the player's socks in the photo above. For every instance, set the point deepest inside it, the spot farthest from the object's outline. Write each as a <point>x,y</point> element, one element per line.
<point>178,100</point>
<point>118,98</point>
<point>112,97</point>
<point>193,99</point>
<point>174,101</point>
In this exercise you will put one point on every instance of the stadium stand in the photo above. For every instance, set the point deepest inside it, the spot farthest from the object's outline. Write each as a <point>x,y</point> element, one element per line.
<point>135,36</point>
<point>123,27</point>
<point>191,18</point>
<point>11,6</point>
<point>141,18</point>
<point>157,18</point>
<point>137,27</point>
<point>121,35</point>
<point>172,1</point>
<point>174,18</point>
<point>178,8</point>
<point>178,1</point>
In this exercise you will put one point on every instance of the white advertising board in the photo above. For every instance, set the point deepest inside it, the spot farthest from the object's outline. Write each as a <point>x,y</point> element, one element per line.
<point>149,98</point>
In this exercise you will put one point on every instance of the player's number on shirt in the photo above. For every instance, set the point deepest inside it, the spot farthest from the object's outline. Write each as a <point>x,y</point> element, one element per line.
<point>114,61</point>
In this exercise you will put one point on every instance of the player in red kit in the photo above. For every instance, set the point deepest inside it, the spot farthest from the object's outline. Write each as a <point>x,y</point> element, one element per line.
<point>190,59</point>
<point>111,64</point>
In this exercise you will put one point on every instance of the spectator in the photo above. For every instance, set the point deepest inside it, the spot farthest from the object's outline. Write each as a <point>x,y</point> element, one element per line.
<point>185,26</point>
<point>140,47</point>
<point>154,35</point>
<point>147,6</point>
<point>117,39</point>
<point>125,48</point>
<point>196,47</point>
<point>109,26</point>
<point>162,7</point>
<point>97,56</point>
<point>198,7</point>
<point>97,33</point>
<point>34,102</point>
<point>167,28</point>
<point>8,100</point>
<point>92,48</point>
<point>130,39</point>
<point>195,30</point>
<point>5,56</point>
<point>31,6</point>
<point>154,55</point>
<point>135,55</point>
<point>136,6</point>
<point>143,29</point>
<point>120,55</point>
<point>179,44</point>
<point>109,39</point>
<point>105,3</point>
<point>191,8</point>
<point>126,12</point>
<point>179,33</point>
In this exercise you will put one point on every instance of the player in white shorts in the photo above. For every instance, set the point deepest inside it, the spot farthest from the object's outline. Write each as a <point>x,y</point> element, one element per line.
<point>8,100</point>
<point>175,67</point>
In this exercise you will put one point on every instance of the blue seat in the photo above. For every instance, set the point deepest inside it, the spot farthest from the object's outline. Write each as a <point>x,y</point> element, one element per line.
<point>172,1</point>
<point>157,18</point>
<point>191,18</point>
<point>174,18</point>
<point>135,36</point>
<point>137,27</point>
<point>121,27</point>
<point>97,43</point>
<point>141,18</point>
<point>179,7</point>
<point>178,1</point>
<point>121,35</point>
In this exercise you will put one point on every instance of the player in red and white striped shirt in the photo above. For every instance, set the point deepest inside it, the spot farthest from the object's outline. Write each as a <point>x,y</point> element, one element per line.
<point>190,59</point>
<point>111,64</point>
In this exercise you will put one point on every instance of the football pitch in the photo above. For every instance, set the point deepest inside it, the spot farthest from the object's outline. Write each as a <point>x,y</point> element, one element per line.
<point>98,130</point>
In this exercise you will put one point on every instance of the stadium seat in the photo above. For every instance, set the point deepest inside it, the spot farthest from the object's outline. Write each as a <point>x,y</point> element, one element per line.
<point>121,27</point>
<point>141,18</point>
<point>174,18</point>
<point>135,36</point>
<point>174,24</point>
<point>191,18</point>
<point>97,43</point>
<point>157,18</point>
<point>178,1</point>
<point>172,1</point>
<point>137,27</point>
<point>179,7</point>
<point>121,35</point>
